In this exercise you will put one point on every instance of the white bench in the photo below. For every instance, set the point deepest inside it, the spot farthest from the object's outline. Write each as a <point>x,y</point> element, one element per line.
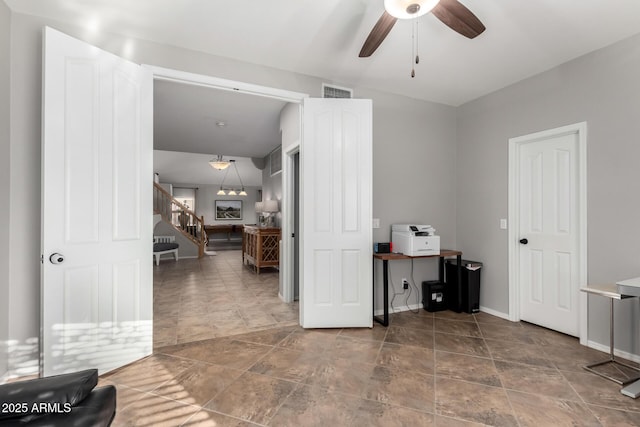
<point>164,245</point>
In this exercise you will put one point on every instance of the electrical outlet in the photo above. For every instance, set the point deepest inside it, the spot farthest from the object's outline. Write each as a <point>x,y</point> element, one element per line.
<point>405,283</point>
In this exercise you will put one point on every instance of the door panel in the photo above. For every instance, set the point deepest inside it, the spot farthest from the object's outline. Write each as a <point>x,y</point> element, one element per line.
<point>96,208</point>
<point>549,221</point>
<point>336,170</point>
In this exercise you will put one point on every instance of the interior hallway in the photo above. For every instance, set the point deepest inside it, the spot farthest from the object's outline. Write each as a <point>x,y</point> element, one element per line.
<point>425,369</point>
<point>196,299</point>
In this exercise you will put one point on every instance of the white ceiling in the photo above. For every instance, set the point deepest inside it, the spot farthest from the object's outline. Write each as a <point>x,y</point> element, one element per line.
<point>192,168</point>
<point>186,117</point>
<point>323,39</point>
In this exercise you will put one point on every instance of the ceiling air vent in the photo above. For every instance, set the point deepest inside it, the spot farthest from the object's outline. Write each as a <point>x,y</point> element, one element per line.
<point>330,91</point>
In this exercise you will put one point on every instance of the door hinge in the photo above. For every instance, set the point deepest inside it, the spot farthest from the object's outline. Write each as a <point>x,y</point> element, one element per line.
<point>41,259</point>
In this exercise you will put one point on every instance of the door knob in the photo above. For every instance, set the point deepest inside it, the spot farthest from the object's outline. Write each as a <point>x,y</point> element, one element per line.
<point>56,258</point>
<point>524,241</point>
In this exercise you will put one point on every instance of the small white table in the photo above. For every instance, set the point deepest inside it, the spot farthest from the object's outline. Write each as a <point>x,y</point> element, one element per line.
<point>610,291</point>
<point>630,287</point>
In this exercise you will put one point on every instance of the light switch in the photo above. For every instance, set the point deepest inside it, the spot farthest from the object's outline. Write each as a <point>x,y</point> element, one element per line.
<point>503,224</point>
<point>376,223</point>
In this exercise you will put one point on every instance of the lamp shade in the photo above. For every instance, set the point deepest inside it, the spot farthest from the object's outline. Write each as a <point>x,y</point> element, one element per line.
<point>407,9</point>
<point>259,207</point>
<point>270,206</point>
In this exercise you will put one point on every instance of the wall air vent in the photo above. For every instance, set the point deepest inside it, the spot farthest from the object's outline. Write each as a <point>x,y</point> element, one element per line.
<point>331,91</point>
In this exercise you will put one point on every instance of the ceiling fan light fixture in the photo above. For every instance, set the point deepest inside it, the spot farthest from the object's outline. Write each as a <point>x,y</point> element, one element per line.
<point>408,9</point>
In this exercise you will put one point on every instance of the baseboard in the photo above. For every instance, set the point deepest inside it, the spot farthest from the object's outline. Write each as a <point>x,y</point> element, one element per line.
<point>494,313</point>
<point>414,307</point>
<point>618,353</point>
<point>400,309</point>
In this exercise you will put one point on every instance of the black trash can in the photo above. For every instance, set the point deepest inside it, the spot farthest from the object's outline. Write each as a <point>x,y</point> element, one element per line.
<point>469,300</point>
<point>433,295</point>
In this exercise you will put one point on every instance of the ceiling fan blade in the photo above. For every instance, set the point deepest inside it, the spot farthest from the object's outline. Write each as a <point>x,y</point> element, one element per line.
<point>457,17</point>
<point>377,34</point>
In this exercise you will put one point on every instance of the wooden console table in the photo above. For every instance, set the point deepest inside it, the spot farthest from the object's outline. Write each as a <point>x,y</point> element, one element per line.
<point>385,258</point>
<point>261,246</point>
<point>227,229</point>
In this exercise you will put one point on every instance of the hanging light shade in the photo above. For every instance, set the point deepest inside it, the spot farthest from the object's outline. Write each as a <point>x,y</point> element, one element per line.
<point>231,192</point>
<point>407,9</point>
<point>219,163</point>
<point>242,192</point>
<point>221,192</point>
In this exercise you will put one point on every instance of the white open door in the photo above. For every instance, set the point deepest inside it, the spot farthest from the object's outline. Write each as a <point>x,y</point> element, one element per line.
<point>336,207</point>
<point>97,283</point>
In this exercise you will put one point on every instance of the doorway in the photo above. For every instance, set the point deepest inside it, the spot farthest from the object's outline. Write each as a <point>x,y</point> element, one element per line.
<point>232,269</point>
<point>547,237</point>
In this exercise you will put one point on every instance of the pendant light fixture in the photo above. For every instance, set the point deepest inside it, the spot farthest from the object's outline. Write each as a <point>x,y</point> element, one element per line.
<point>232,192</point>
<point>219,163</point>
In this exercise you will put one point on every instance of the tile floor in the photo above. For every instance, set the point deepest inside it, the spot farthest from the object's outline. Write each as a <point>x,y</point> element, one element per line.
<point>425,369</point>
<point>196,299</point>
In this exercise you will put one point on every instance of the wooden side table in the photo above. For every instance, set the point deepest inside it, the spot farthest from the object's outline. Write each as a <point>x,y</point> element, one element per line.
<point>261,247</point>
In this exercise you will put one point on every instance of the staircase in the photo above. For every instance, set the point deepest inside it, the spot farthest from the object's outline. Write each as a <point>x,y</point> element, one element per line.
<point>183,220</point>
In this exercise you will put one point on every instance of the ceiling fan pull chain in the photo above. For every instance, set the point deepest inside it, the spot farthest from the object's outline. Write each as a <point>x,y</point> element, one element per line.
<point>413,48</point>
<point>417,45</point>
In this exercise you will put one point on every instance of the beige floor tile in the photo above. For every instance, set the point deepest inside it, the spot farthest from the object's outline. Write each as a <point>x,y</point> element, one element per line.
<point>467,368</point>
<point>252,397</point>
<point>261,368</point>
<point>408,358</point>
<point>535,380</point>
<point>473,402</point>
<point>534,411</point>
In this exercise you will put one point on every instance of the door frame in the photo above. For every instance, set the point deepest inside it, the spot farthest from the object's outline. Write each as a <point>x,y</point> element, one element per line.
<point>514,220</point>
<point>288,218</point>
<point>193,79</point>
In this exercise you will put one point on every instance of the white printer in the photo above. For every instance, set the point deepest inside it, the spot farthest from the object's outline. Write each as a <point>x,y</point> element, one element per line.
<point>415,240</point>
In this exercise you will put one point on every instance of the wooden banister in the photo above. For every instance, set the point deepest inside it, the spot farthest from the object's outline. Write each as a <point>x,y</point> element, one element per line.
<point>180,217</point>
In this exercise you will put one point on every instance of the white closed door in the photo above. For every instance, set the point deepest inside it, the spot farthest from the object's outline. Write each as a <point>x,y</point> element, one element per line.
<point>549,232</point>
<point>336,206</point>
<point>96,208</point>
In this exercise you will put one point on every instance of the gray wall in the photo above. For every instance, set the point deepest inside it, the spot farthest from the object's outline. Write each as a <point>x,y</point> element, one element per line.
<point>414,154</point>
<point>272,188</point>
<point>414,181</point>
<point>602,89</point>
<point>5,42</point>
<point>205,204</point>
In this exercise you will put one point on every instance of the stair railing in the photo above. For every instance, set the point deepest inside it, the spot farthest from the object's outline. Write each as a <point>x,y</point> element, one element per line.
<point>180,217</point>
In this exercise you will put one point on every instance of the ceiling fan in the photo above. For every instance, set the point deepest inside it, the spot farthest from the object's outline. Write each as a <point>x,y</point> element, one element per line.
<point>451,12</point>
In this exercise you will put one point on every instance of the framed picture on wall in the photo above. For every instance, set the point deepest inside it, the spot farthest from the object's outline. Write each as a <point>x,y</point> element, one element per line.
<point>228,209</point>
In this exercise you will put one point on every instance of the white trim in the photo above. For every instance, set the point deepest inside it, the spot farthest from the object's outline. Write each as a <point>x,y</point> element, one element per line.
<point>495,313</point>
<point>399,309</point>
<point>605,349</point>
<point>514,224</point>
<point>160,73</point>
<point>288,224</point>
